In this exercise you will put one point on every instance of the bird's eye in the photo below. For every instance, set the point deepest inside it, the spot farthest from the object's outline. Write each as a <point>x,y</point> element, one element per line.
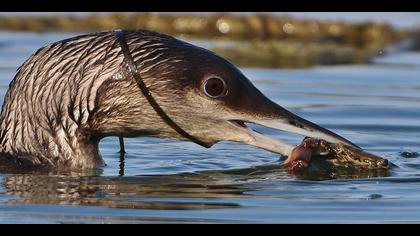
<point>215,87</point>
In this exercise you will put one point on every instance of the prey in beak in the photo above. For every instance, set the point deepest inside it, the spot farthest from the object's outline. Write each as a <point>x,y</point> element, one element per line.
<point>251,106</point>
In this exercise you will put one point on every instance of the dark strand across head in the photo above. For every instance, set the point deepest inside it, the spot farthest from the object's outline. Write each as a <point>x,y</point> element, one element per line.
<point>70,94</point>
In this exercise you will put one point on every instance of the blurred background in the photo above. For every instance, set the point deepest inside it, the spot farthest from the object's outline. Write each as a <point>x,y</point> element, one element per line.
<point>271,40</point>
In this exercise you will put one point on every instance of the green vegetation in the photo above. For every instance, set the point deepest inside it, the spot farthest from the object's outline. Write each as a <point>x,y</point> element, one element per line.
<point>260,40</point>
<point>278,54</point>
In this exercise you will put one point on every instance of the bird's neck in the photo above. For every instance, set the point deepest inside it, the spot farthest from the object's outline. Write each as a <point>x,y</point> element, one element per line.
<point>65,131</point>
<point>60,145</point>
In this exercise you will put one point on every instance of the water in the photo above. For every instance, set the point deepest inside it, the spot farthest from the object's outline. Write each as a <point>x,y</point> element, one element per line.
<point>376,106</point>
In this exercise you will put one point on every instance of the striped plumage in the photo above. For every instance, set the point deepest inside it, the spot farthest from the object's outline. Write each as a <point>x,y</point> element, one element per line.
<point>54,96</point>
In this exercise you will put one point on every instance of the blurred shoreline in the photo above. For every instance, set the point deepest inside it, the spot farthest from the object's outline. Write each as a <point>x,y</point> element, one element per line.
<point>259,40</point>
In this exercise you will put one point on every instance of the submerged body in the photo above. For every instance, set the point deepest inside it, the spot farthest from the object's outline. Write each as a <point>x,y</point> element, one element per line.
<point>71,94</point>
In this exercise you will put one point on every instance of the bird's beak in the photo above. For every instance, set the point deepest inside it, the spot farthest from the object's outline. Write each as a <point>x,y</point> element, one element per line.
<point>283,120</point>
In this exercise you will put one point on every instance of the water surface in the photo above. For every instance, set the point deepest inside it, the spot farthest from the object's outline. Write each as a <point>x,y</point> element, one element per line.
<point>376,106</point>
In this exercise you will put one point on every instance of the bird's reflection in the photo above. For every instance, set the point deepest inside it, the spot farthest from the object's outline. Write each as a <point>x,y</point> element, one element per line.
<point>184,191</point>
<point>122,164</point>
<point>147,192</point>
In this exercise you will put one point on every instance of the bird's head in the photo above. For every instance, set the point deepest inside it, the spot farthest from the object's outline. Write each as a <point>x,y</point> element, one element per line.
<point>206,95</point>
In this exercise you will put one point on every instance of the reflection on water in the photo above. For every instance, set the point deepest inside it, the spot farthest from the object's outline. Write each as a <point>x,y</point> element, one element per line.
<point>127,192</point>
<point>153,192</point>
<point>376,106</point>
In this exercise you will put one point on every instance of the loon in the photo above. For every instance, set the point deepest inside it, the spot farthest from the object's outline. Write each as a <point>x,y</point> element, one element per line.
<point>70,94</point>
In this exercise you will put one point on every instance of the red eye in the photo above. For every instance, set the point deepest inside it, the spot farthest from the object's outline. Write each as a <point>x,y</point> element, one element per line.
<point>215,87</point>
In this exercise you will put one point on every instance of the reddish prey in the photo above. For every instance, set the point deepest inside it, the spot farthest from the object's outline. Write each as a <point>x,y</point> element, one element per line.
<point>338,154</point>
